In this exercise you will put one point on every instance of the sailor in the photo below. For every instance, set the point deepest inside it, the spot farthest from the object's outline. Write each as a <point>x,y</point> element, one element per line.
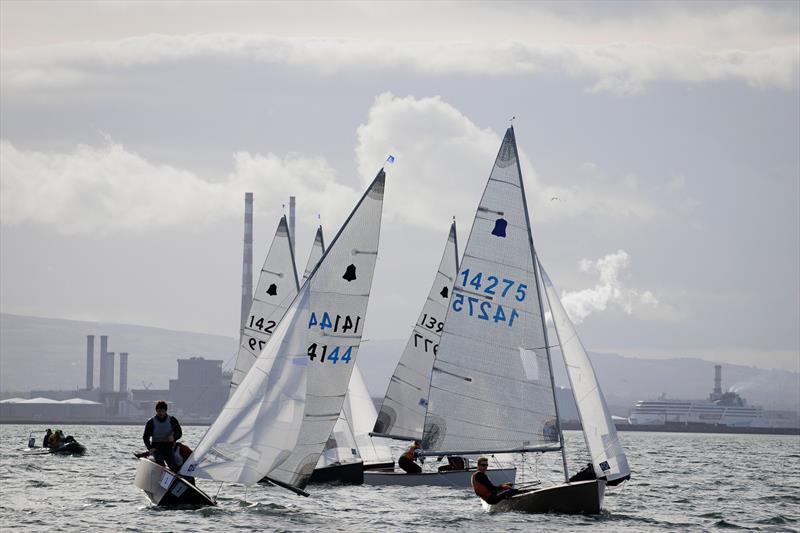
<point>406,461</point>
<point>483,487</point>
<point>46,441</point>
<point>160,434</point>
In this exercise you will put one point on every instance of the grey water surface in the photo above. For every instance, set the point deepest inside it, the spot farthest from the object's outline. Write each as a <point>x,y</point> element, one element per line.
<point>680,481</point>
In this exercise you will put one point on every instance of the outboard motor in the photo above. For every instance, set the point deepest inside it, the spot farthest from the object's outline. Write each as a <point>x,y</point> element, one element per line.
<point>31,441</point>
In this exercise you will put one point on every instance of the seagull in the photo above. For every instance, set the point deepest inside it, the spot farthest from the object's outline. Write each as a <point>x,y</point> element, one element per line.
<point>555,198</point>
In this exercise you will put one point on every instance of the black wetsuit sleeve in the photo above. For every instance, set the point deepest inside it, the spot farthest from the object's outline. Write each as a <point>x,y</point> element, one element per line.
<point>483,479</point>
<point>148,434</point>
<point>177,432</point>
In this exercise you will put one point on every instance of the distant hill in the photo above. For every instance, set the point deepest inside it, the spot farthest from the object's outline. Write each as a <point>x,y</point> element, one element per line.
<point>44,353</point>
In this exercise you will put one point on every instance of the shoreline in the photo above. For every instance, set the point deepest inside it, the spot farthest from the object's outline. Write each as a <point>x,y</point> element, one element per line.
<point>694,428</point>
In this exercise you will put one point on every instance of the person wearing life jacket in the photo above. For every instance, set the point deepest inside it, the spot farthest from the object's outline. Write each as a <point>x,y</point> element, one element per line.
<point>160,434</point>
<point>406,461</point>
<point>488,491</point>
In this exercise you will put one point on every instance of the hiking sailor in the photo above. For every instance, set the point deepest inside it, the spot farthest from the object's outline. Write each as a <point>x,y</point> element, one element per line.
<point>160,434</point>
<point>483,487</point>
<point>406,461</point>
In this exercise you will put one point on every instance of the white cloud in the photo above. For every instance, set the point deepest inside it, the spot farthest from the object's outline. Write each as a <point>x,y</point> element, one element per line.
<point>443,160</point>
<point>108,189</point>
<point>608,290</point>
<point>616,66</point>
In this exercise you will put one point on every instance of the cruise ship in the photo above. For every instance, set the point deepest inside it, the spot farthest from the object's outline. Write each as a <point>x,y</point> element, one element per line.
<point>721,409</point>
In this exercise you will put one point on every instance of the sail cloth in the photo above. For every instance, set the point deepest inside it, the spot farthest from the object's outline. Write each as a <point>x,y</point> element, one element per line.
<point>360,412</point>
<point>341,447</point>
<point>317,249</point>
<point>491,388</point>
<point>402,413</point>
<point>277,287</point>
<point>608,457</point>
<point>278,420</point>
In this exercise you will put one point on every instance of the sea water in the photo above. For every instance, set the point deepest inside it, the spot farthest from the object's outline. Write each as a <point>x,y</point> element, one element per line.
<point>680,481</point>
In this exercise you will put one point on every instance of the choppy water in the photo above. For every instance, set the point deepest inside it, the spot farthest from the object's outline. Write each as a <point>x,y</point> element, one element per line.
<point>680,481</point>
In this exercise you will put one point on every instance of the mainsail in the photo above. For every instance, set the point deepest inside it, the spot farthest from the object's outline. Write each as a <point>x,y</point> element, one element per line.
<point>277,287</point>
<point>278,420</point>
<point>608,457</point>
<point>491,388</point>
<point>402,414</point>
<point>317,249</point>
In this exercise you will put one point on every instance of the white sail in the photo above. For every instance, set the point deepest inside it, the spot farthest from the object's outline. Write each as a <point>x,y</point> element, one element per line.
<point>317,249</point>
<point>277,287</point>
<point>402,413</point>
<point>608,457</point>
<point>360,412</point>
<point>278,420</point>
<point>491,388</point>
<point>341,447</point>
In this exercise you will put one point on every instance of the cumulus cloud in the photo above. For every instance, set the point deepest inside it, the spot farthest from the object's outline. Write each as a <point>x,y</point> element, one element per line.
<point>443,160</point>
<point>620,67</point>
<point>107,189</point>
<point>608,290</point>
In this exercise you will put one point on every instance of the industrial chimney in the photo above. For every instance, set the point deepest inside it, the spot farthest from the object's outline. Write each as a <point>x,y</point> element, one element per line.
<point>123,371</point>
<point>717,392</point>
<point>104,363</point>
<point>89,362</point>
<point>247,260</point>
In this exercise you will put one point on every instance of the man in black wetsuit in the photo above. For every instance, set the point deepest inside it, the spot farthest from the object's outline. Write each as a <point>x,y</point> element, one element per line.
<point>483,487</point>
<point>160,434</point>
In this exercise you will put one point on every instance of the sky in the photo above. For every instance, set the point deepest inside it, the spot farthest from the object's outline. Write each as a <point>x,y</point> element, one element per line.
<point>659,141</point>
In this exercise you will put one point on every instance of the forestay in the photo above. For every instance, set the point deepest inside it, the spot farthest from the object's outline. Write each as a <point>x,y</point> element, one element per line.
<point>402,413</point>
<point>491,388</point>
<point>277,287</point>
<point>278,420</point>
<point>604,447</point>
<point>360,412</point>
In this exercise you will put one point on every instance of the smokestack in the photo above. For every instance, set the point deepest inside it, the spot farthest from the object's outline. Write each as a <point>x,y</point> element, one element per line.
<point>123,371</point>
<point>110,371</point>
<point>104,387</point>
<point>247,260</point>
<point>718,379</point>
<point>89,362</point>
<point>291,222</point>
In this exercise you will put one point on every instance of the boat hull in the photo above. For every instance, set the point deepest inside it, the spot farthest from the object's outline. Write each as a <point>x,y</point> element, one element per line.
<point>70,448</point>
<point>450,478</point>
<point>348,474</point>
<point>580,497</point>
<point>380,466</point>
<point>165,488</point>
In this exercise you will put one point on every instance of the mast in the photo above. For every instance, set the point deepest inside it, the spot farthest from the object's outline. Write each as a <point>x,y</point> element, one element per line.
<point>541,310</point>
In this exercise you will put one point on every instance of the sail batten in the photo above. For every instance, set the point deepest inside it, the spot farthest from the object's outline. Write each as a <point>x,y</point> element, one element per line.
<point>279,418</point>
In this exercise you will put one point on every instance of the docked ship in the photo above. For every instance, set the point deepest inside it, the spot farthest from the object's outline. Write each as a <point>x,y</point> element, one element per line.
<point>721,409</point>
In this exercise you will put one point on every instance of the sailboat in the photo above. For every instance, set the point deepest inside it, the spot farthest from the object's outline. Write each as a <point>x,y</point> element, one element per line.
<point>492,389</point>
<point>280,416</point>
<point>405,405</point>
<point>276,289</point>
<point>340,461</point>
<point>349,450</point>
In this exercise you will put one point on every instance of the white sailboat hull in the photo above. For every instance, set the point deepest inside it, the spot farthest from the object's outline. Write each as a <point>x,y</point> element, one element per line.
<point>580,497</point>
<point>451,478</point>
<point>165,488</point>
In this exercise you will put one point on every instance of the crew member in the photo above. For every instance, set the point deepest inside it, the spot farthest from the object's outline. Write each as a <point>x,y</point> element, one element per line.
<point>160,434</point>
<point>483,487</point>
<point>406,461</point>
